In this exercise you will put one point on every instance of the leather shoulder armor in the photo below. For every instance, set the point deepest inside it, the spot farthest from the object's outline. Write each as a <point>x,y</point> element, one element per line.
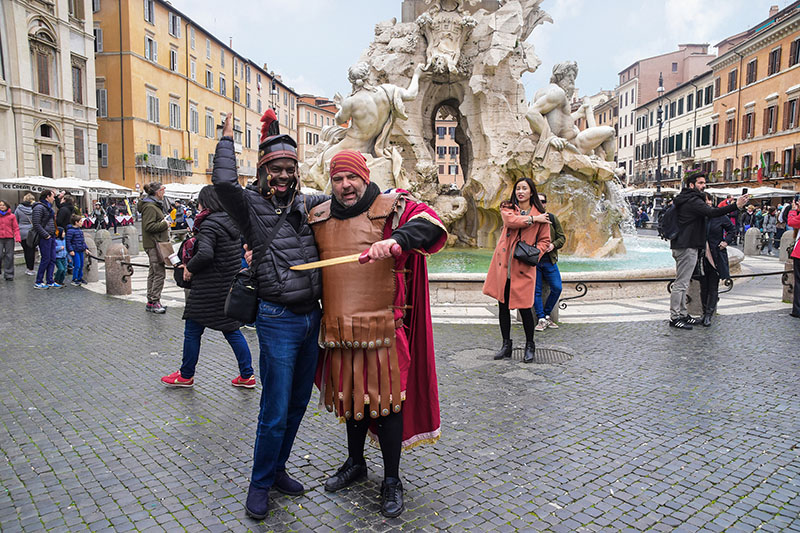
<point>320,213</point>
<point>383,206</point>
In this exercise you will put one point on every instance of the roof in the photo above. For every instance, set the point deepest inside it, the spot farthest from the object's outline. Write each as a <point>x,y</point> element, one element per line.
<point>764,24</point>
<point>676,89</point>
<point>665,54</point>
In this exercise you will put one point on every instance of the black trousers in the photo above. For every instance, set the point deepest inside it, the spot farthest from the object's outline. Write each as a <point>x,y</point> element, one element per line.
<point>796,290</point>
<point>709,288</point>
<point>30,254</point>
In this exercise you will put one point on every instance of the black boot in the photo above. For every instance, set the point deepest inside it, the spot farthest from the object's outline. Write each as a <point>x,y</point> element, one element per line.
<point>391,497</point>
<point>706,320</point>
<point>530,352</point>
<point>505,351</point>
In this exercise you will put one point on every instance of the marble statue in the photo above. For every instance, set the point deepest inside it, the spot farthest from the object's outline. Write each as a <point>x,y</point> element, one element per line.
<point>471,56</point>
<point>550,118</point>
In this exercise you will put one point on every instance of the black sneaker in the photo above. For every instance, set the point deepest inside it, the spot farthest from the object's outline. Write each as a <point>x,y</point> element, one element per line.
<point>692,321</point>
<point>348,473</point>
<point>680,323</point>
<point>391,497</point>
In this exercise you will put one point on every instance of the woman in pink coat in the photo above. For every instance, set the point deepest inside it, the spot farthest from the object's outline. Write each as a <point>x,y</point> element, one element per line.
<point>9,235</point>
<point>510,281</point>
<point>793,221</point>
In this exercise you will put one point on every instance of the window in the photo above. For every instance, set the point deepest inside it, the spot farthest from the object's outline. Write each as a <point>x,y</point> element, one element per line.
<point>209,124</point>
<point>794,53</point>
<point>729,131</point>
<point>285,98</point>
<point>626,98</point>
<point>235,92</point>
<point>237,131</point>
<point>46,131</point>
<point>210,161</point>
<point>774,61</point>
<point>770,119</point>
<point>787,162</point>
<point>150,49</point>
<point>752,71</point>
<point>209,79</point>
<point>191,41</point>
<point>173,60</point>
<point>732,80</point>
<point>672,110</point>
<point>101,95</point>
<point>174,25</point>
<point>235,67</point>
<point>95,6</point>
<point>699,98</point>
<point>679,142</point>
<point>728,168</point>
<point>194,119</point>
<point>714,134</point>
<point>174,115</point>
<point>75,9</point>
<point>247,137</point>
<point>149,11</point>
<point>790,114</point>
<point>222,87</point>
<point>102,154</point>
<point>674,67</point>
<point>704,138</point>
<point>193,69</point>
<point>441,151</point>
<point>154,149</point>
<point>77,84</point>
<point>80,156</point>
<point>441,131</point>
<point>452,170</point>
<point>98,40</point>
<point>748,125</point>
<point>441,169</point>
<point>247,73</point>
<point>747,162</point>
<point>453,151</point>
<point>689,141</point>
<point>680,106</point>
<point>258,104</point>
<point>717,86</point>
<point>247,98</point>
<point>152,107</point>
<point>195,158</point>
<point>222,57</point>
<point>709,97</point>
<point>208,49</point>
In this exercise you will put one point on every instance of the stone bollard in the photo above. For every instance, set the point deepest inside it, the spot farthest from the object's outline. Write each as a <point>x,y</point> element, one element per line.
<point>91,270</point>
<point>788,288</point>
<point>694,305</point>
<point>130,238</point>
<point>787,240</point>
<point>102,239</point>
<point>752,242</point>
<point>118,276</point>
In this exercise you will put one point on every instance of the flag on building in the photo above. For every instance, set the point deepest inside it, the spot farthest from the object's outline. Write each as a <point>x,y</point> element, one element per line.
<point>761,169</point>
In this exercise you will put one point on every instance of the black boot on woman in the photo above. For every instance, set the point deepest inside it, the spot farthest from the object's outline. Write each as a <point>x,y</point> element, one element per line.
<point>505,350</point>
<point>530,352</point>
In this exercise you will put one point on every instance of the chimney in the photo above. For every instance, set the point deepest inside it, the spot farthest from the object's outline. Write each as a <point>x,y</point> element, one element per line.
<point>773,10</point>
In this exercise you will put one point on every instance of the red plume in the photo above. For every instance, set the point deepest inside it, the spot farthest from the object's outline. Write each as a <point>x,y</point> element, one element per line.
<point>269,125</point>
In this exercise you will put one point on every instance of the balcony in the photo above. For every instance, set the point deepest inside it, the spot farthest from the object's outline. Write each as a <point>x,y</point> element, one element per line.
<point>248,171</point>
<point>159,165</point>
<point>685,154</point>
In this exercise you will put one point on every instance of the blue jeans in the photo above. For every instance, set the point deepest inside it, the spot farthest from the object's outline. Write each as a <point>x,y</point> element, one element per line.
<point>548,272</point>
<point>47,263</point>
<point>192,333</point>
<point>288,362</point>
<point>77,266</point>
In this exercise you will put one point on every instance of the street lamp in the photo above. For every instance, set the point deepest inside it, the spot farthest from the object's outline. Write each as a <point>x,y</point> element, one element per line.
<point>660,120</point>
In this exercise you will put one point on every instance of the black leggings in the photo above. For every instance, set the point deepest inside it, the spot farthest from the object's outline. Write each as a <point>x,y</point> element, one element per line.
<point>505,318</point>
<point>390,435</point>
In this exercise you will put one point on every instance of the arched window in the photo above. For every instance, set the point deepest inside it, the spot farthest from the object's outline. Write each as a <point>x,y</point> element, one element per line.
<point>43,53</point>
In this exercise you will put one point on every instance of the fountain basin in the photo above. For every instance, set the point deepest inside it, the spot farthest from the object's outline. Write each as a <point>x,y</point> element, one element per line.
<point>466,287</point>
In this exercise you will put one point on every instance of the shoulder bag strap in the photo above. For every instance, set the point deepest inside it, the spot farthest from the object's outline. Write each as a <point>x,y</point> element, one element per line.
<point>257,261</point>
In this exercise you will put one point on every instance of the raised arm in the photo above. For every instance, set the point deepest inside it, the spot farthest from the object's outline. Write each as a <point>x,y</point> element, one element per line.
<point>413,88</point>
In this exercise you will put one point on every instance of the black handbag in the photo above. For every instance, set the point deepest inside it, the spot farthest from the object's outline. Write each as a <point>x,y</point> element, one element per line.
<point>32,239</point>
<point>242,301</point>
<point>526,253</point>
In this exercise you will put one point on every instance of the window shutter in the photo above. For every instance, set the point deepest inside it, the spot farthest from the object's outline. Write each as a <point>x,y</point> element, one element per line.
<point>766,121</point>
<point>786,115</point>
<point>744,127</point>
<point>155,51</point>
<point>778,59</point>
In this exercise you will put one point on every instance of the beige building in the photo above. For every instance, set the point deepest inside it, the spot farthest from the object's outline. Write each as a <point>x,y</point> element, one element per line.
<point>448,152</point>
<point>47,99</point>
<point>685,135</point>
<point>757,102</point>
<point>313,114</point>
<point>638,83</point>
<point>164,85</point>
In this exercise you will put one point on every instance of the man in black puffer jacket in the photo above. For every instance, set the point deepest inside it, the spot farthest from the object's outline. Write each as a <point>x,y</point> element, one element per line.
<point>288,313</point>
<point>692,214</point>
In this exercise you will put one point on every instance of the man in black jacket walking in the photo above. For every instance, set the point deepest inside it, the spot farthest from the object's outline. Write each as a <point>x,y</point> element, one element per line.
<point>692,214</point>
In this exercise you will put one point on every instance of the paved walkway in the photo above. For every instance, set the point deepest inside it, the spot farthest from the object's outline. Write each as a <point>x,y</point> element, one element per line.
<point>645,428</point>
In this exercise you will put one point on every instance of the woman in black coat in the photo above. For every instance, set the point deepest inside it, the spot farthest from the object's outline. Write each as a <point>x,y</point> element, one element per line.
<point>720,232</point>
<point>216,260</point>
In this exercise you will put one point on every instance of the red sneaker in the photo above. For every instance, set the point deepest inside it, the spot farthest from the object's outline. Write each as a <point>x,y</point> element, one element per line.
<point>175,380</point>
<point>249,383</point>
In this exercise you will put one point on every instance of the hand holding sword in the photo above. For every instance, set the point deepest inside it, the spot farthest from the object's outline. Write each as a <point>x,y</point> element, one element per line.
<point>377,252</point>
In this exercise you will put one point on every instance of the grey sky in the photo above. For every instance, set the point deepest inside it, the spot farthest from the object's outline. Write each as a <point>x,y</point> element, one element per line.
<point>311,43</point>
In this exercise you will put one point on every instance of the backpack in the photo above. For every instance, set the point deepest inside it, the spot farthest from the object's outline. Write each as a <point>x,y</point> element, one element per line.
<point>668,228</point>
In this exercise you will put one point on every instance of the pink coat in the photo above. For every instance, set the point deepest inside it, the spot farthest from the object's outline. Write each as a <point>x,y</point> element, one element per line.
<point>793,221</point>
<point>523,276</point>
<point>9,229</point>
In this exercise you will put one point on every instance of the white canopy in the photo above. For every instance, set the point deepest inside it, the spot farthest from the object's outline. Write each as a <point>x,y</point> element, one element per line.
<point>183,191</point>
<point>757,192</point>
<point>74,186</point>
<point>648,191</point>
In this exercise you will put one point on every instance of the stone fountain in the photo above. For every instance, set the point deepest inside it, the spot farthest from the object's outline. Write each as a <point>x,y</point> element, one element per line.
<point>468,57</point>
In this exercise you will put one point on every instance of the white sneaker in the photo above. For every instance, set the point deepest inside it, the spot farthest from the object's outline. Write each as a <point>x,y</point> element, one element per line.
<point>542,325</point>
<point>30,273</point>
<point>550,323</point>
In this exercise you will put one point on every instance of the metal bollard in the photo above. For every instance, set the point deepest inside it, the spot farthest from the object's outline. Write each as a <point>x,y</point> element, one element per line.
<point>130,238</point>
<point>102,239</point>
<point>91,271</point>
<point>118,276</point>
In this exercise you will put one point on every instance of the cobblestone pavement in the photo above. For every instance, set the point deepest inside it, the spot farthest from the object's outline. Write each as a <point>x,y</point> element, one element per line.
<point>644,428</point>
